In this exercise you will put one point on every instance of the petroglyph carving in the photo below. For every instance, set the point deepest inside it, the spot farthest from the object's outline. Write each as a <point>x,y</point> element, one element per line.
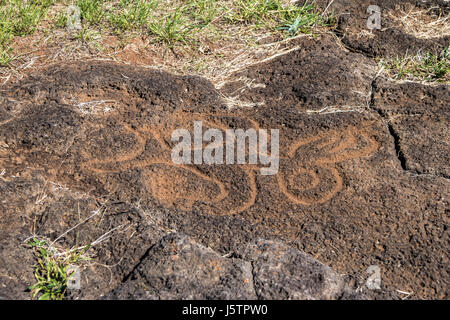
<point>307,176</point>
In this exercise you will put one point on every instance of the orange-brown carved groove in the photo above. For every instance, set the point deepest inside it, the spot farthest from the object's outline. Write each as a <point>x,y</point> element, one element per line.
<point>343,140</point>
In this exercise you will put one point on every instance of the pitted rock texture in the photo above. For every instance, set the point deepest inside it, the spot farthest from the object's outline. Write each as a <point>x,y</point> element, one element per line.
<point>360,182</point>
<point>418,119</point>
<point>179,268</point>
<point>391,40</point>
<point>281,272</point>
<point>344,78</point>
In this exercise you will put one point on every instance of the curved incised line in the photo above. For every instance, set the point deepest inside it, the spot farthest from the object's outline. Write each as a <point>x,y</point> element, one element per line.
<point>334,155</point>
<point>307,202</point>
<point>145,163</point>
<point>314,183</point>
<point>223,193</point>
<point>129,156</point>
<point>326,162</point>
<point>7,121</point>
<point>253,193</point>
<point>250,174</point>
<point>299,143</point>
<point>129,161</point>
<point>191,116</point>
<point>369,149</point>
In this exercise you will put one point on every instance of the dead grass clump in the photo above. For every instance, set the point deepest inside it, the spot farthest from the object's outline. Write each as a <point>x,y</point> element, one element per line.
<point>421,23</point>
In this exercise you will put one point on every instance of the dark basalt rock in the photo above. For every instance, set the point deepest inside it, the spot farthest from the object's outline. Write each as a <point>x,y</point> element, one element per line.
<point>179,268</point>
<point>363,180</point>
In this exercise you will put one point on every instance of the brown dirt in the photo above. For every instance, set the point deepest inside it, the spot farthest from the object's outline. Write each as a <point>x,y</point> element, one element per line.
<point>363,179</point>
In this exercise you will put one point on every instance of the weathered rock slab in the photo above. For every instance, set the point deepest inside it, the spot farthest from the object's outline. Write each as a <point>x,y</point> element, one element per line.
<point>179,268</point>
<point>282,272</point>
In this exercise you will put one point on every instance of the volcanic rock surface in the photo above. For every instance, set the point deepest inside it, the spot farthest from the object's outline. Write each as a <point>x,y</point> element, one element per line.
<point>392,39</point>
<point>363,178</point>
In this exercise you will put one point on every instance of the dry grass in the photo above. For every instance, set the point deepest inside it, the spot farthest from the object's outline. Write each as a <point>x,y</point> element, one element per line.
<point>421,23</point>
<point>212,38</point>
<point>425,67</point>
